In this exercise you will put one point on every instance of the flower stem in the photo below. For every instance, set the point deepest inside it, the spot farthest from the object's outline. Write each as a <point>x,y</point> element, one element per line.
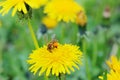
<point>94,53</point>
<point>34,39</point>
<point>0,61</point>
<point>86,59</point>
<point>33,34</point>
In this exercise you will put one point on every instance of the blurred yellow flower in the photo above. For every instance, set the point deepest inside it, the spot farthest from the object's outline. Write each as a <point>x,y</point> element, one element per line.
<point>19,5</point>
<point>114,64</point>
<point>81,18</point>
<point>114,73</point>
<point>101,77</point>
<point>62,59</point>
<point>49,22</point>
<point>65,10</point>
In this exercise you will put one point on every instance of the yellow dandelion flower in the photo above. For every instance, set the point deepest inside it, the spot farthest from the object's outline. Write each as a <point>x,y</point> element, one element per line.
<point>62,59</point>
<point>65,10</point>
<point>37,3</point>
<point>114,64</point>
<point>49,22</point>
<point>113,75</point>
<point>19,5</point>
<point>81,18</point>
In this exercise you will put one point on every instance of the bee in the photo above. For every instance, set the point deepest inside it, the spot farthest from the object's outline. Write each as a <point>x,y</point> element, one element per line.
<point>52,45</point>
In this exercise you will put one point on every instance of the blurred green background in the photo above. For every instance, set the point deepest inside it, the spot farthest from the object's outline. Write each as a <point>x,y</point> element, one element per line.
<point>101,40</point>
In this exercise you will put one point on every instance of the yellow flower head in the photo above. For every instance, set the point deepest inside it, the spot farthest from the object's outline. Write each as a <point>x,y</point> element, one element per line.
<point>113,75</point>
<point>19,5</point>
<point>49,22</point>
<point>114,64</point>
<point>61,59</point>
<point>81,18</point>
<point>65,10</point>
